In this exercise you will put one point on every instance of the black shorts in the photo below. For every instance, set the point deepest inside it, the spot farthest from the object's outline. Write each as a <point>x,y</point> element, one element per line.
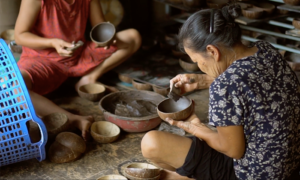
<point>205,163</point>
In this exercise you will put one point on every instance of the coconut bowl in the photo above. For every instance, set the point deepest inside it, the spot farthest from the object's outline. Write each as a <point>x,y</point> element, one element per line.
<point>108,106</point>
<point>66,147</point>
<point>105,132</point>
<point>177,110</point>
<point>253,13</point>
<point>296,23</point>
<point>142,170</point>
<point>55,123</point>
<point>188,65</point>
<point>92,92</point>
<point>161,90</point>
<point>267,7</point>
<point>103,33</point>
<point>141,86</point>
<point>112,176</point>
<point>292,2</point>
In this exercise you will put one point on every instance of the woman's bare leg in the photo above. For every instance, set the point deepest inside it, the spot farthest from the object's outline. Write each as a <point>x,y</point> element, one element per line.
<point>128,42</point>
<point>44,106</point>
<point>167,151</point>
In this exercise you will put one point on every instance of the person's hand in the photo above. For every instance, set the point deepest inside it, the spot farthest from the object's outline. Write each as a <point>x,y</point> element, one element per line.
<point>192,125</point>
<point>191,82</point>
<point>106,47</point>
<point>61,45</point>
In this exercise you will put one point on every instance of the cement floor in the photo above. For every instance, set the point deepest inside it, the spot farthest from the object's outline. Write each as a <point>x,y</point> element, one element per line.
<point>99,159</point>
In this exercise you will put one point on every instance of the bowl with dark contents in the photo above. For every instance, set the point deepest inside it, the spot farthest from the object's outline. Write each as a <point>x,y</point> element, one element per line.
<point>176,110</point>
<point>133,110</point>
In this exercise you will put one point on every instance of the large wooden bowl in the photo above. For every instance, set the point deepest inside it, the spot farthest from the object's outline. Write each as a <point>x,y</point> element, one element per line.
<point>142,170</point>
<point>105,132</point>
<point>92,92</point>
<point>130,124</point>
<point>177,110</point>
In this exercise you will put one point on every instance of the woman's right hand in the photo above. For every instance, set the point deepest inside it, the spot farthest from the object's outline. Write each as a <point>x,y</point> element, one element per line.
<point>191,82</point>
<point>60,46</point>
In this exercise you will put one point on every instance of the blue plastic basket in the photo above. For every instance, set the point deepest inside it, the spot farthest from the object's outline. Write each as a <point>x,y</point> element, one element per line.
<point>15,110</point>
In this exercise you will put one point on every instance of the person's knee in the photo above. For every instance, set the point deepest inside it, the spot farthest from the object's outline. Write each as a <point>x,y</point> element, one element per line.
<point>150,144</point>
<point>136,37</point>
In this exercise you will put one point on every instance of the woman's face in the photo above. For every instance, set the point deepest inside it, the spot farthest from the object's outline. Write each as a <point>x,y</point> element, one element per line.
<point>208,63</point>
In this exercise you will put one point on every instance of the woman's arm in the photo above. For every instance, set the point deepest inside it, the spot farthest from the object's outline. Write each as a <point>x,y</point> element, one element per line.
<point>191,82</point>
<point>96,14</point>
<point>28,14</point>
<point>27,17</point>
<point>229,140</point>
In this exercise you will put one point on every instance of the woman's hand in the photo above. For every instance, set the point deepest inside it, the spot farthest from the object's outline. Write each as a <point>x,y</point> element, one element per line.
<point>191,82</point>
<point>191,125</point>
<point>61,45</point>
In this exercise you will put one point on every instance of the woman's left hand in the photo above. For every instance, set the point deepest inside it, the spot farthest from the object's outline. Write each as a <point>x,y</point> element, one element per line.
<point>191,125</point>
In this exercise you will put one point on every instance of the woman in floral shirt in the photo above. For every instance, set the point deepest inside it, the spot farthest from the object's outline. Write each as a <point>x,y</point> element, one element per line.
<point>254,105</point>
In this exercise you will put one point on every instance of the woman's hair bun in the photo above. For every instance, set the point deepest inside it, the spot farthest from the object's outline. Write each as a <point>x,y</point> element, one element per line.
<point>231,11</point>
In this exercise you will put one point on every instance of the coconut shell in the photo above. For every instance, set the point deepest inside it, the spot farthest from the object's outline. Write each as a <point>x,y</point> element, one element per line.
<point>61,154</point>
<point>72,141</point>
<point>66,147</point>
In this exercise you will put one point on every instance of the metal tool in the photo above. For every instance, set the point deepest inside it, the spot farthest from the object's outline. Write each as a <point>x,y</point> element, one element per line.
<point>75,46</point>
<point>174,93</point>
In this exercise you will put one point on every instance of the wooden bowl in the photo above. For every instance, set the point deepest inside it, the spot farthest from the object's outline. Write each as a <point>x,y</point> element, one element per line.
<point>108,105</point>
<point>266,7</point>
<point>103,33</point>
<point>125,78</point>
<point>253,13</point>
<point>142,170</point>
<point>66,147</point>
<point>161,90</point>
<point>92,92</point>
<point>55,123</point>
<point>112,176</point>
<point>177,110</point>
<point>296,23</point>
<point>216,4</point>
<point>141,86</point>
<point>136,178</point>
<point>105,132</point>
<point>188,65</point>
<point>292,2</point>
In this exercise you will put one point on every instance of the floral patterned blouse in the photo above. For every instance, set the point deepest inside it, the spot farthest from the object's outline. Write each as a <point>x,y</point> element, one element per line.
<point>261,93</point>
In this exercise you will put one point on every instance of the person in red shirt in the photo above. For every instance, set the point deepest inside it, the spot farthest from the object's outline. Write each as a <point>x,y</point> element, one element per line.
<point>45,28</point>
